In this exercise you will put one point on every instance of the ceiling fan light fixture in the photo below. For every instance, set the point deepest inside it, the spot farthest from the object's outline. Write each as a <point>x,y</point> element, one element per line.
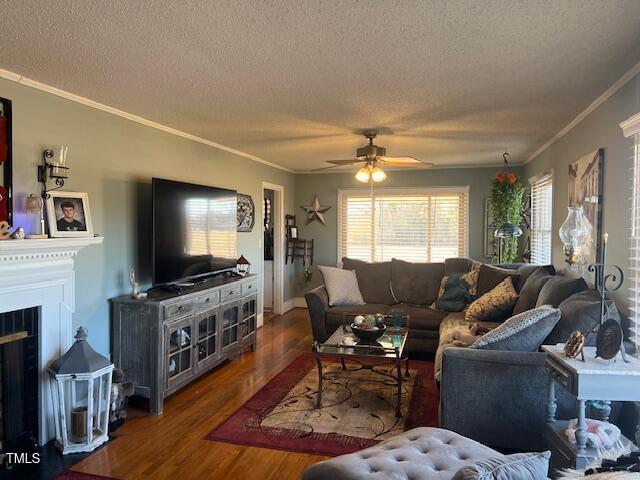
<point>378,174</point>
<point>363,175</point>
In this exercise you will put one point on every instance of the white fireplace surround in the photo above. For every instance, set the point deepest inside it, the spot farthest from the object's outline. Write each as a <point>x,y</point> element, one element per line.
<point>40,273</point>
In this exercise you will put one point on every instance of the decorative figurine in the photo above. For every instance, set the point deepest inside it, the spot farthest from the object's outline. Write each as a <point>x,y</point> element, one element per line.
<point>574,345</point>
<point>18,234</point>
<point>135,289</point>
<point>5,230</point>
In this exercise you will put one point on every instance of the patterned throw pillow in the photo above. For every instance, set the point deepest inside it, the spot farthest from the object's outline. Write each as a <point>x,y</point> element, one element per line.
<point>494,304</point>
<point>524,332</point>
<point>342,286</point>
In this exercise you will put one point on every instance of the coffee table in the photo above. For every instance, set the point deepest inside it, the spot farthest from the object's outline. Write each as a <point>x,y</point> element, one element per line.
<point>387,349</point>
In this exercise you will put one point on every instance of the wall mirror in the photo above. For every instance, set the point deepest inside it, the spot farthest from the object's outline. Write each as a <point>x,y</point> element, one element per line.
<point>6,154</point>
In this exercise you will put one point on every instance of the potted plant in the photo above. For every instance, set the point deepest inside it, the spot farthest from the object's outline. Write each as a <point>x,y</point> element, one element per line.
<point>507,192</point>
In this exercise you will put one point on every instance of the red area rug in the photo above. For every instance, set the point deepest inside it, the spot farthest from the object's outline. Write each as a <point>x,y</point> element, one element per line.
<point>358,409</point>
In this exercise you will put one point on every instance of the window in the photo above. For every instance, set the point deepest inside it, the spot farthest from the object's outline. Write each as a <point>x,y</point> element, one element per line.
<point>634,273</point>
<point>419,225</point>
<point>541,215</point>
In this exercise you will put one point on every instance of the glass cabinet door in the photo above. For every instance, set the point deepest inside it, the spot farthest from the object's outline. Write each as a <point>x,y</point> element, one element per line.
<point>249,316</point>
<point>230,324</point>
<point>207,344</point>
<point>179,348</point>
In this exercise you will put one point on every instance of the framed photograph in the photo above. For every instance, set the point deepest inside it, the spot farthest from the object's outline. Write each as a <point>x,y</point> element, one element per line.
<point>586,181</point>
<point>293,233</point>
<point>69,215</point>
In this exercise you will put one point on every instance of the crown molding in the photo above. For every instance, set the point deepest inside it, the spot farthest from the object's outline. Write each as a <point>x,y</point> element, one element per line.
<point>22,80</point>
<point>631,126</point>
<point>609,92</point>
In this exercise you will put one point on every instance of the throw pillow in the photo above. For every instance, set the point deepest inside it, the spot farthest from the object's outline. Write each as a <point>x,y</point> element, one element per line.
<point>455,295</point>
<point>374,280</point>
<point>530,291</point>
<point>493,305</point>
<point>524,332</point>
<point>342,286</point>
<point>489,277</point>
<point>581,311</point>
<point>558,289</point>
<point>517,466</point>
<point>527,269</point>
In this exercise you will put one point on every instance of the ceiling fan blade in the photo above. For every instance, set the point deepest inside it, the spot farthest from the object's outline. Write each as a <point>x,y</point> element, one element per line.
<point>395,160</point>
<point>352,161</point>
<point>324,168</point>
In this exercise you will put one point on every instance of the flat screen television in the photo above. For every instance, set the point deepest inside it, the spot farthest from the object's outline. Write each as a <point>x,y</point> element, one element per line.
<point>194,231</point>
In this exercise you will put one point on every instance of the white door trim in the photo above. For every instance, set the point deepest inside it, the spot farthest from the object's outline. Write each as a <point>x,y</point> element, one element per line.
<point>278,247</point>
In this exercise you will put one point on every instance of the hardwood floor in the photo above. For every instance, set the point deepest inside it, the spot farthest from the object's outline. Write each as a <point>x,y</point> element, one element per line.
<point>171,445</point>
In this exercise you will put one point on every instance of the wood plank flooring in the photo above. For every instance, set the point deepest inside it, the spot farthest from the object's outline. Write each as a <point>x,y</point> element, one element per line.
<point>170,446</point>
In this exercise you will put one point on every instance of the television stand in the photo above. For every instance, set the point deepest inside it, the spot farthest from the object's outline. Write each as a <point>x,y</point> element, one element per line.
<point>167,340</point>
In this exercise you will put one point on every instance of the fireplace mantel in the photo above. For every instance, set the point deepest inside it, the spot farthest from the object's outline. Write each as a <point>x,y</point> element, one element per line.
<point>43,249</point>
<point>40,273</point>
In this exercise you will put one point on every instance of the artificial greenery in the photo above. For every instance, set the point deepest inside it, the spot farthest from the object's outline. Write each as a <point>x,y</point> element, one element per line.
<point>507,193</point>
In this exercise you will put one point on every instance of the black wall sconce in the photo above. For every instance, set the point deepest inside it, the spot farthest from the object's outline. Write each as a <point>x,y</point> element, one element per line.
<point>53,167</point>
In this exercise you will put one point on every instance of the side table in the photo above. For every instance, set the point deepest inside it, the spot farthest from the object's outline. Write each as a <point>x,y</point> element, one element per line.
<point>592,379</point>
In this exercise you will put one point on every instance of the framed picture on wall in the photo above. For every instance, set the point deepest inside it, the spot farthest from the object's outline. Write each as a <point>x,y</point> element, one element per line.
<point>246,213</point>
<point>69,215</point>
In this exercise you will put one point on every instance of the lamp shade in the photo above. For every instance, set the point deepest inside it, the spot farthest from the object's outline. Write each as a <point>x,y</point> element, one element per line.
<point>508,230</point>
<point>363,175</point>
<point>33,204</point>
<point>378,174</point>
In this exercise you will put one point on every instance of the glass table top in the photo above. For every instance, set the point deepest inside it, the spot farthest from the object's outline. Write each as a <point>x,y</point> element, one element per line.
<point>344,342</point>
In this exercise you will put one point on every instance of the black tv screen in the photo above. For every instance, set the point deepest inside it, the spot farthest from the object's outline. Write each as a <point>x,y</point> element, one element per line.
<point>194,230</point>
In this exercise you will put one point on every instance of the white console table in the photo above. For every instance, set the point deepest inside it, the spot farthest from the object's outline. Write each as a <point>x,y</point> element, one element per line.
<point>592,379</point>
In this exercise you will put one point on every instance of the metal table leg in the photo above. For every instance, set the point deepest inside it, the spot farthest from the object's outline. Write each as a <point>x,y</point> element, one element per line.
<point>319,364</point>
<point>399,380</point>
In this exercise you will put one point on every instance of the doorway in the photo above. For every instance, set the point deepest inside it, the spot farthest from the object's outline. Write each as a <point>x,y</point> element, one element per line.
<point>272,249</point>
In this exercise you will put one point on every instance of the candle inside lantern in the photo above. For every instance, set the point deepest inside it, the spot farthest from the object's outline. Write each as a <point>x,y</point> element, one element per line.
<point>79,423</point>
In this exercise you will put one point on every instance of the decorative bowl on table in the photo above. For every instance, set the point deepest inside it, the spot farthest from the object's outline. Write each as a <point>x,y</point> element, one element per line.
<point>366,333</point>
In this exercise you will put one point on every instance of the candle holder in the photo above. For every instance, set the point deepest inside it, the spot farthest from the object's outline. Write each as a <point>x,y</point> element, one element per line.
<point>54,168</point>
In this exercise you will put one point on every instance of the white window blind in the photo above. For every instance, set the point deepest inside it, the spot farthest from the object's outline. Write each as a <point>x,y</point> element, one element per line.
<point>420,225</point>
<point>541,218</point>
<point>634,280</point>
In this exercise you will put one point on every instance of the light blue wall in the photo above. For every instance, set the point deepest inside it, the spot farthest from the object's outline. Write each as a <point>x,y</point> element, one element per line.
<point>326,187</point>
<point>114,159</point>
<point>600,129</point>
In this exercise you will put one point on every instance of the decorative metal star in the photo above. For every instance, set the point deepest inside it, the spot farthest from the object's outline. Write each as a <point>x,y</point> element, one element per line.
<point>315,211</point>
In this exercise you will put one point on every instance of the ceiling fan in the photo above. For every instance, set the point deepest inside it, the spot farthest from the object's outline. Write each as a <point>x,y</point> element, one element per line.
<point>373,157</point>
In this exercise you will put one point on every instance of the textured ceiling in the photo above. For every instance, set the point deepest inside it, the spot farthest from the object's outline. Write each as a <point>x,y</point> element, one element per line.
<point>454,82</point>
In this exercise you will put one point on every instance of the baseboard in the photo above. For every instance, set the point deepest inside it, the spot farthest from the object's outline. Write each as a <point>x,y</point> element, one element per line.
<point>296,302</point>
<point>260,320</point>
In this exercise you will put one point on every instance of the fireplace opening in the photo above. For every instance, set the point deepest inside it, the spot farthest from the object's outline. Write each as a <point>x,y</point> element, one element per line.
<point>18,377</point>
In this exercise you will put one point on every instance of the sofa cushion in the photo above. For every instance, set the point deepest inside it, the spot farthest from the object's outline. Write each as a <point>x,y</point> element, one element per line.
<point>558,288</point>
<point>521,333</point>
<point>422,318</point>
<point>517,466</point>
<point>374,280</point>
<point>581,311</point>
<point>342,286</point>
<point>457,265</point>
<point>489,277</point>
<point>424,453</point>
<point>415,283</point>
<point>526,269</point>
<point>530,291</point>
<point>336,314</point>
<point>495,304</point>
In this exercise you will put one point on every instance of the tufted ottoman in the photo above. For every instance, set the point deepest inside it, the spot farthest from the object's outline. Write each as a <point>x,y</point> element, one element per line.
<point>423,453</point>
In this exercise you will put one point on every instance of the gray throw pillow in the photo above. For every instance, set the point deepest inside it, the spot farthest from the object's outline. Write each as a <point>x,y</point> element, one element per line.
<point>342,286</point>
<point>518,466</point>
<point>530,291</point>
<point>558,289</point>
<point>524,332</point>
<point>527,269</point>
<point>581,311</point>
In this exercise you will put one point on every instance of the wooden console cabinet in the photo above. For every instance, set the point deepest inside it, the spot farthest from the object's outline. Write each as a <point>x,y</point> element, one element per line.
<point>164,342</point>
